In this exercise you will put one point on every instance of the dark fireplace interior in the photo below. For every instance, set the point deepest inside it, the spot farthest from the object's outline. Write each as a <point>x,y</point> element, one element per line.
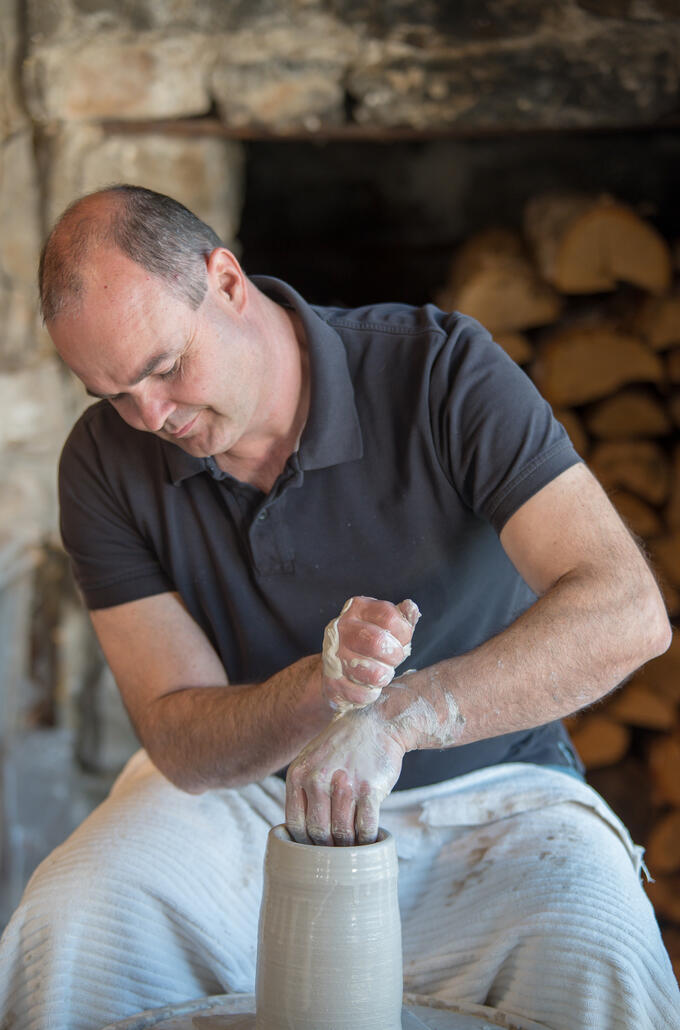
<point>359,222</point>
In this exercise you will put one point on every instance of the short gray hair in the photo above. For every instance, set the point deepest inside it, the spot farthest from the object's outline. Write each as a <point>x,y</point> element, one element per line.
<point>153,230</point>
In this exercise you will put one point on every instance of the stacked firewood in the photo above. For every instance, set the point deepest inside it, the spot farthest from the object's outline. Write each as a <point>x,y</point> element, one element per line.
<point>585,299</point>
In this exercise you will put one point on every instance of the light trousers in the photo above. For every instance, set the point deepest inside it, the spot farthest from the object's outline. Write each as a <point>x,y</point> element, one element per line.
<point>519,889</point>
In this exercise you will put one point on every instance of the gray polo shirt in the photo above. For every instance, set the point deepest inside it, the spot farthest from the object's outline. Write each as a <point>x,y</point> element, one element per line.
<point>423,438</point>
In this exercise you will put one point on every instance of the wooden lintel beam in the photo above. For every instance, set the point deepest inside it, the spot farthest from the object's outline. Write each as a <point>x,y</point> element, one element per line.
<point>212,127</point>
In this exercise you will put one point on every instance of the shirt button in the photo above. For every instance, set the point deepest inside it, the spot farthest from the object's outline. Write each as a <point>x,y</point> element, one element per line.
<point>264,514</point>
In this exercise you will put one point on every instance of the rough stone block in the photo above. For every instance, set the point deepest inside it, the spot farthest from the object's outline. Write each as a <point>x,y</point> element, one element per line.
<point>117,75</point>
<point>34,412</point>
<point>22,338</point>
<point>621,78</point>
<point>279,95</point>
<point>28,508</point>
<point>204,174</point>
<point>56,19</point>
<point>296,32</point>
<point>12,114</point>
<point>20,335</point>
<point>650,10</point>
<point>19,200</point>
<point>416,23</point>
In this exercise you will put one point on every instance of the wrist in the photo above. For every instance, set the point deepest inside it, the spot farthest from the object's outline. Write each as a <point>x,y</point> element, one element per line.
<point>422,712</point>
<point>394,710</point>
<point>311,703</point>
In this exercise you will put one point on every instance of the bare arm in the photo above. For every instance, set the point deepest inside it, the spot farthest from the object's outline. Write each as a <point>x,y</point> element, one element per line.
<point>202,732</point>
<point>598,617</point>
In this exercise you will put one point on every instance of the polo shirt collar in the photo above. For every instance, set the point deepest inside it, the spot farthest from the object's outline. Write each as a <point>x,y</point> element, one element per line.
<point>332,433</point>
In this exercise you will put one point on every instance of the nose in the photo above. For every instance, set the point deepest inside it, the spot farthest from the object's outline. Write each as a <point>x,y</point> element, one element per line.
<point>153,410</point>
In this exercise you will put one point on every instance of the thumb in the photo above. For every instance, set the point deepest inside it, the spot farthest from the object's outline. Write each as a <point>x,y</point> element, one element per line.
<point>409,609</point>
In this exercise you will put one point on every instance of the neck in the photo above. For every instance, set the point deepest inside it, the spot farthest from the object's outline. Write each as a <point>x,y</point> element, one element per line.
<point>260,458</point>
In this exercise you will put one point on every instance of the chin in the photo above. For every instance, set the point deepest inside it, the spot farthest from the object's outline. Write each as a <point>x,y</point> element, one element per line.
<point>193,447</point>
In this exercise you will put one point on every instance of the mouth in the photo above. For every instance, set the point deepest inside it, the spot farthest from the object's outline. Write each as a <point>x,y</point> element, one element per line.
<point>183,430</point>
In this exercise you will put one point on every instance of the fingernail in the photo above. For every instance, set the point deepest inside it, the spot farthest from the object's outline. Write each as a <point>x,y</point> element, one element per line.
<point>410,611</point>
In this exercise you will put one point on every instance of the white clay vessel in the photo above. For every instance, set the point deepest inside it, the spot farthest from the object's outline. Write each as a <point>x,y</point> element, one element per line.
<point>329,942</point>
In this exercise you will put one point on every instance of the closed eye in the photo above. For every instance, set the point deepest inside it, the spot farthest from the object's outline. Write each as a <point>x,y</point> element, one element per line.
<point>172,372</point>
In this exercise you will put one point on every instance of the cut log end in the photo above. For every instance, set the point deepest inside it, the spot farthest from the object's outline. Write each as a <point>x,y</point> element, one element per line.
<point>590,244</point>
<point>600,741</point>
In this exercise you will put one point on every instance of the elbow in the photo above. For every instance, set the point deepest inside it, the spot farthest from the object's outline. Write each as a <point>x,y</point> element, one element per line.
<point>178,768</point>
<point>664,635</point>
<point>655,630</point>
<point>185,779</point>
<point>185,773</point>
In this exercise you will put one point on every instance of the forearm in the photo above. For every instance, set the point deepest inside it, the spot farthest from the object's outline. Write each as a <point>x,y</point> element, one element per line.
<point>225,736</point>
<point>576,643</point>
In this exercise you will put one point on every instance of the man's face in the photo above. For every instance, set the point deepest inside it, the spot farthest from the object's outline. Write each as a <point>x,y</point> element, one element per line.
<point>194,378</point>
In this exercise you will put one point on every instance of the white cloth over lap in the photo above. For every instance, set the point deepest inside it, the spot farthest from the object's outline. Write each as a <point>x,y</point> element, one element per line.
<point>519,889</point>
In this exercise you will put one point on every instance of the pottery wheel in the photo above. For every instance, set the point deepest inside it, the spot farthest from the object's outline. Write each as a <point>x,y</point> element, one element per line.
<point>237,1012</point>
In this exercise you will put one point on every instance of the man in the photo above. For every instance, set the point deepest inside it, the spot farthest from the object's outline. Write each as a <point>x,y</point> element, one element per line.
<point>257,470</point>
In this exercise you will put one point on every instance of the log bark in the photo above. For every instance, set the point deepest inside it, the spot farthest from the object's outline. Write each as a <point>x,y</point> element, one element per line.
<point>664,894</point>
<point>657,321</point>
<point>662,675</point>
<point>640,518</point>
<point>671,598</point>
<point>639,466</point>
<point>600,741</point>
<point>636,704</point>
<point>673,365</point>
<point>665,551</point>
<point>664,766</point>
<point>586,244</point>
<point>574,427</point>
<point>674,407</point>
<point>516,345</point>
<point>663,845</point>
<point>586,363</point>
<point>672,510</point>
<point>632,413</point>
<point>493,279</point>
<point>671,938</point>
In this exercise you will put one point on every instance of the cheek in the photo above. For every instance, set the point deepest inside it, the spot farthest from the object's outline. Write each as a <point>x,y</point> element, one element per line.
<point>209,387</point>
<point>128,413</point>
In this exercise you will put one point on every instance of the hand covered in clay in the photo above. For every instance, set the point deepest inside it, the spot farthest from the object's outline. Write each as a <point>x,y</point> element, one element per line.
<point>362,648</point>
<point>336,785</point>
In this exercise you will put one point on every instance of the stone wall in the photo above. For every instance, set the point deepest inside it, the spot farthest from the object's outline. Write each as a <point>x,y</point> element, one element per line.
<point>419,63</point>
<point>57,699</point>
<point>88,92</point>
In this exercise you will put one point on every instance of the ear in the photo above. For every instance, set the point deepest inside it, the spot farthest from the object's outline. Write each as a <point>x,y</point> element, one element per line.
<point>227,279</point>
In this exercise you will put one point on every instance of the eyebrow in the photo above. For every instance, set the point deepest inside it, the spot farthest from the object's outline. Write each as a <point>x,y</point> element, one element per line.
<point>150,367</point>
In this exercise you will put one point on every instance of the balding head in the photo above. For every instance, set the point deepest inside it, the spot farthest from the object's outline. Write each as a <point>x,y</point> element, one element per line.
<point>156,232</point>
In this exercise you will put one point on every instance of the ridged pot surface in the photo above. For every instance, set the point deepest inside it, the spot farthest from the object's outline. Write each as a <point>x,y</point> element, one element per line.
<point>329,943</point>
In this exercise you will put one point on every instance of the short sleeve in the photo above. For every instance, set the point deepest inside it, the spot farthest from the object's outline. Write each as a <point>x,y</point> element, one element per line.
<point>497,438</point>
<point>112,561</point>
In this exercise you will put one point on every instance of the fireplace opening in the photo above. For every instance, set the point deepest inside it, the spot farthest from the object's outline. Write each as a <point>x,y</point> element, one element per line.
<point>359,222</point>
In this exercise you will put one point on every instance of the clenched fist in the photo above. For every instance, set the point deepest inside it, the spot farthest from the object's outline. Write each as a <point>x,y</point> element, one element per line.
<point>363,647</point>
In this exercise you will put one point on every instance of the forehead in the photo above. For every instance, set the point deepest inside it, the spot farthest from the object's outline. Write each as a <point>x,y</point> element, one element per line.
<point>111,279</point>
<point>125,316</point>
